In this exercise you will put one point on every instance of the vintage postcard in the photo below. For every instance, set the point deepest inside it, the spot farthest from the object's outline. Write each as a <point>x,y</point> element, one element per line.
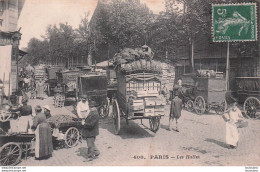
<point>129,83</point>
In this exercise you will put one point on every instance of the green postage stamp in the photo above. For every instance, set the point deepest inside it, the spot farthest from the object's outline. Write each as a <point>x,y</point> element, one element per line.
<point>234,22</point>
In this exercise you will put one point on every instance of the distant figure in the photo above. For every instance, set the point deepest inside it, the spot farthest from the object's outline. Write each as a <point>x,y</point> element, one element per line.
<point>231,118</point>
<point>179,82</point>
<point>40,89</point>
<point>175,111</point>
<point>43,142</point>
<point>83,107</point>
<point>26,81</point>
<point>207,74</point>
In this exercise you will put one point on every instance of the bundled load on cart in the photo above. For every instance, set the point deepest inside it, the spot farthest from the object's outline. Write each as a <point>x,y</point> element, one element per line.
<point>139,87</point>
<point>65,128</point>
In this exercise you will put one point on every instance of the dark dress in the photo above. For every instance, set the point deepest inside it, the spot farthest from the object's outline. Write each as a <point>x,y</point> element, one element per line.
<point>43,143</point>
<point>176,107</point>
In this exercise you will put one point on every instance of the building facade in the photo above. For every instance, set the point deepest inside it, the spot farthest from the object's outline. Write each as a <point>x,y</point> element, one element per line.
<point>10,36</point>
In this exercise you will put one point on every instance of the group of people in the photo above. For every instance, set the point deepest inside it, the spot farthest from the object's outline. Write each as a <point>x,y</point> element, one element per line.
<point>28,84</point>
<point>37,123</point>
<point>90,128</point>
<point>232,117</point>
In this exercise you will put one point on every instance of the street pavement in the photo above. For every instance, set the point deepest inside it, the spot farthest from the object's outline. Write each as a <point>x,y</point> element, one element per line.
<point>200,142</point>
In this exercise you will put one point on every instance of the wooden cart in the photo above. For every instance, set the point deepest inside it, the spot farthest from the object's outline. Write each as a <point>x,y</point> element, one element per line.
<point>68,79</point>
<point>248,92</point>
<point>52,79</point>
<point>209,94</point>
<point>138,94</point>
<point>13,146</point>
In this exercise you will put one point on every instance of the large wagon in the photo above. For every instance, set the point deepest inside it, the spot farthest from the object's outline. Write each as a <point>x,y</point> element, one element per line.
<point>94,85</point>
<point>138,94</point>
<point>68,78</point>
<point>52,79</point>
<point>248,92</point>
<point>210,94</point>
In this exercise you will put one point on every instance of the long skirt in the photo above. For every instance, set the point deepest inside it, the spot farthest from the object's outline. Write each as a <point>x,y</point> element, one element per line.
<point>43,142</point>
<point>232,134</point>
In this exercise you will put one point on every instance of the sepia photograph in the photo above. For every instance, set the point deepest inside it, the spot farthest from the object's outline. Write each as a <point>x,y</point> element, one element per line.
<point>129,83</point>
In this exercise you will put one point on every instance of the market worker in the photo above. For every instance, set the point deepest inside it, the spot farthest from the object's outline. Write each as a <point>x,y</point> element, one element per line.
<point>175,110</point>
<point>231,118</point>
<point>26,81</point>
<point>43,142</point>
<point>47,111</point>
<point>58,89</point>
<point>83,107</point>
<point>90,131</point>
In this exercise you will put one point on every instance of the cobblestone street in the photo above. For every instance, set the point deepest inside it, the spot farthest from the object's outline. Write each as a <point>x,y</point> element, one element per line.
<point>201,141</point>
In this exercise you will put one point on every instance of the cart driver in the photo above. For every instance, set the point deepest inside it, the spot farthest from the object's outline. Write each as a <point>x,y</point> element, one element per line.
<point>58,89</point>
<point>83,107</point>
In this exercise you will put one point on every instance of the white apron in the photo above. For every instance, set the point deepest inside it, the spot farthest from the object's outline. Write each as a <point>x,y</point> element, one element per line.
<point>232,135</point>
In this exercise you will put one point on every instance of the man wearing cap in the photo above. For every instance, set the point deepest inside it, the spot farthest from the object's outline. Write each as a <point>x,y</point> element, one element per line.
<point>47,111</point>
<point>90,130</point>
<point>83,107</point>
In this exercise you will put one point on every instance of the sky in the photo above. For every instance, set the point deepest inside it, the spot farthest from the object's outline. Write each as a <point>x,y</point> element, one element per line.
<point>38,14</point>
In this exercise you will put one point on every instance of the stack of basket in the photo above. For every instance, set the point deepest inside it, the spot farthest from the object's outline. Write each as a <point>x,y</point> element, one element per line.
<point>59,100</point>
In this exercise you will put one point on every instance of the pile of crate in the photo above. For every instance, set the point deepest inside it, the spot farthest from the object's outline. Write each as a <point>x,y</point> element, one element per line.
<point>168,75</point>
<point>146,104</point>
<point>59,100</point>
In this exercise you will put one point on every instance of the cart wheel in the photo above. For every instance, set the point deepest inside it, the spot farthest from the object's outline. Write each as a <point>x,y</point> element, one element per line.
<point>199,105</point>
<point>190,105</point>
<point>10,154</point>
<point>252,107</point>
<point>5,116</point>
<point>154,124</point>
<point>221,108</point>
<point>116,117</point>
<point>71,137</point>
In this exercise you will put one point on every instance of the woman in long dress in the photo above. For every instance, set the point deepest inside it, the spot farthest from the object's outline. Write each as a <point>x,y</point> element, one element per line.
<point>43,142</point>
<point>232,135</point>
<point>39,89</point>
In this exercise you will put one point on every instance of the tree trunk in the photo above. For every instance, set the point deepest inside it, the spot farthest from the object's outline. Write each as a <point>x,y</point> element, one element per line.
<point>192,55</point>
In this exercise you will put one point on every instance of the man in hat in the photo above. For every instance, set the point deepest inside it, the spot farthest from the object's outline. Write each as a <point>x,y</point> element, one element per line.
<point>83,107</point>
<point>90,131</point>
<point>175,111</point>
<point>47,111</point>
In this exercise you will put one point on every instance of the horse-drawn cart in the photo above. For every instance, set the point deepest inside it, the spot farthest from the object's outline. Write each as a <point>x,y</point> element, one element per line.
<point>94,85</point>
<point>210,94</point>
<point>248,93</point>
<point>203,93</point>
<point>138,95</point>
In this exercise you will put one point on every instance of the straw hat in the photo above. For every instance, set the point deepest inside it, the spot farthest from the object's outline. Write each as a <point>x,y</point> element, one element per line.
<point>47,107</point>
